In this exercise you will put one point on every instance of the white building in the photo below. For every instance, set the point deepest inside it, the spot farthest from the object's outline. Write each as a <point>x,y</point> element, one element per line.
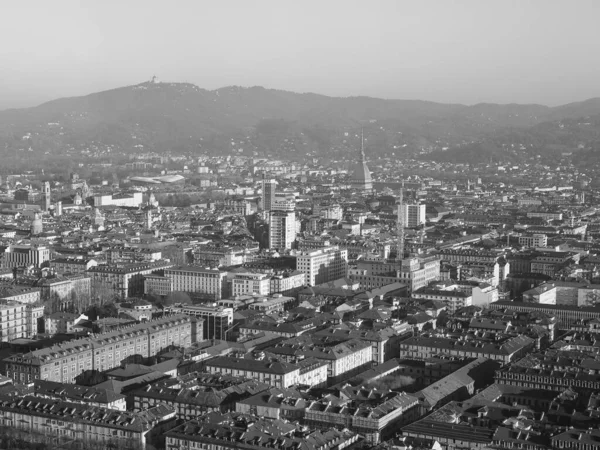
<point>414,215</point>
<point>131,200</point>
<point>250,283</point>
<point>323,265</point>
<point>282,229</point>
<point>205,283</point>
<point>25,255</point>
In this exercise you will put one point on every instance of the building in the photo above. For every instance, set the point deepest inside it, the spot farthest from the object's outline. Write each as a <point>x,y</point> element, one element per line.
<point>34,315</point>
<point>275,304</point>
<point>504,349</point>
<point>59,423</point>
<point>534,240</point>
<point>244,283</point>
<point>132,200</point>
<point>72,265</point>
<point>85,395</point>
<point>287,282</point>
<point>20,293</point>
<point>158,285</point>
<point>13,321</point>
<point>268,194</point>
<point>414,215</point>
<point>63,293</point>
<point>309,372</point>
<point>46,196</point>
<point>375,419</point>
<point>60,322</point>
<point>341,358</point>
<point>123,280</point>
<point>255,434</point>
<point>199,282</point>
<point>361,175</point>
<point>282,229</point>
<point>24,255</point>
<point>217,320</point>
<point>323,265</point>
<point>414,272</point>
<point>63,362</point>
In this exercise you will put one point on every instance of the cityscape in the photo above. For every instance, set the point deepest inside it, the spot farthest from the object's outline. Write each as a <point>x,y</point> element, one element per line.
<point>257,268</point>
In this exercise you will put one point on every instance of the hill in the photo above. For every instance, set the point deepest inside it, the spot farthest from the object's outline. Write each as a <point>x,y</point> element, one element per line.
<point>182,117</point>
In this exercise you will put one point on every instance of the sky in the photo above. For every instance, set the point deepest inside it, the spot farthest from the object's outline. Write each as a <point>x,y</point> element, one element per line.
<point>451,51</point>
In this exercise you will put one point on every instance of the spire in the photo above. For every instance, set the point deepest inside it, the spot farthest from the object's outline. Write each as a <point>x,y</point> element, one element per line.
<point>362,144</point>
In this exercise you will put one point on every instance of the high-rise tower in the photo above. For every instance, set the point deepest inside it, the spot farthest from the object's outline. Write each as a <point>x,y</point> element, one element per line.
<point>47,196</point>
<point>361,175</point>
<point>268,193</point>
<point>400,226</point>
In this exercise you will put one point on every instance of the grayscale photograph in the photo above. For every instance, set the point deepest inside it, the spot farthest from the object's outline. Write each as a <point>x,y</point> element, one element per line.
<point>299,225</point>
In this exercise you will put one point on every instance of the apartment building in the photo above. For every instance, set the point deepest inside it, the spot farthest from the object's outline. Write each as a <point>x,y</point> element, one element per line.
<point>57,422</point>
<point>414,215</point>
<point>533,240</point>
<point>124,280</point>
<point>63,362</point>
<point>13,321</point>
<point>311,372</point>
<point>275,304</point>
<point>243,283</point>
<point>259,434</point>
<point>323,265</point>
<point>504,348</point>
<point>200,282</point>
<point>287,282</point>
<point>282,229</point>
<point>72,265</point>
<point>85,395</point>
<point>341,358</point>
<point>20,293</point>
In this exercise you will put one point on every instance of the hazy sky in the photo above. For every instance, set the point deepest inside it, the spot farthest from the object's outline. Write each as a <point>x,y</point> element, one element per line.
<point>467,51</point>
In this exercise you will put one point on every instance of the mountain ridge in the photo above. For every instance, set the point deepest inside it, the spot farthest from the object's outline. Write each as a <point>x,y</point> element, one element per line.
<point>184,117</point>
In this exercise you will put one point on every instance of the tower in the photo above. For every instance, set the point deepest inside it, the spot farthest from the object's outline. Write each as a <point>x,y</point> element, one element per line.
<point>148,218</point>
<point>400,226</point>
<point>268,194</point>
<point>361,175</point>
<point>46,195</point>
<point>282,229</point>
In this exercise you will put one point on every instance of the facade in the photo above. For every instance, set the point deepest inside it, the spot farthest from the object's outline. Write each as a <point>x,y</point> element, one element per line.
<point>22,294</point>
<point>25,255</point>
<point>57,422</point>
<point>158,285</point>
<point>250,283</point>
<point>286,283</point>
<point>504,350</point>
<point>216,319</point>
<point>60,322</point>
<point>323,265</point>
<point>63,362</point>
<point>282,229</point>
<point>199,282</point>
<point>123,280</point>
<point>260,434</point>
<point>72,265</point>
<point>268,194</point>
<point>13,321</point>
<point>132,200</point>
<point>414,215</point>
<point>310,372</point>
